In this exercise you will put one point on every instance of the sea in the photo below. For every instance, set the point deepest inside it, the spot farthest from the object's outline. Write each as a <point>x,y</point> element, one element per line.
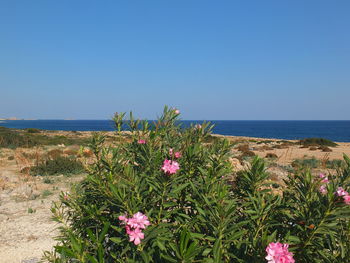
<point>338,131</point>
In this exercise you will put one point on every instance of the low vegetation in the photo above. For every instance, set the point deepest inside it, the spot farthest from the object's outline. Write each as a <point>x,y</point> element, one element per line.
<point>32,130</point>
<point>271,156</point>
<point>31,210</point>
<point>317,142</point>
<point>46,193</point>
<point>56,166</point>
<point>12,138</point>
<point>310,163</point>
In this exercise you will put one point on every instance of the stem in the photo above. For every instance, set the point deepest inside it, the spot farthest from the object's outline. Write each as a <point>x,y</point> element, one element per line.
<point>315,231</point>
<point>161,204</point>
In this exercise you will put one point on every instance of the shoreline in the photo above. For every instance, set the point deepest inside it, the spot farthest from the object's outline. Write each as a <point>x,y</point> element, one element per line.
<point>232,137</point>
<point>336,131</point>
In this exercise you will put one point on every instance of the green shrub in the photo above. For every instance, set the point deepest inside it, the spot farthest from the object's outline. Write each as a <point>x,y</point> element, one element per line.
<point>264,141</point>
<point>31,210</point>
<point>334,164</point>
<point>315,163</point>
<point>10,138</point>
<point>32,130</point>
<point>306,163</point>
<point>246,152</point>
<point>48,181</point>
<point>196,212</point>
<point>55,153</point>
<point>243,148</point>
<point>325,149</point>
<point>46,193</point>
<point>271,156</point>
<point>317,142</point>
<point>56,166</point>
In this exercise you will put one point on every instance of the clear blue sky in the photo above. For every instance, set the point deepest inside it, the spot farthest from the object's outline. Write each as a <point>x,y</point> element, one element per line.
<point>232,59</point>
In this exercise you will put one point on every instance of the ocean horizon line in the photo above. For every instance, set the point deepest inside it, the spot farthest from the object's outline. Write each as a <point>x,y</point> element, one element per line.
<point>335,130</point>
<point>156,120</point>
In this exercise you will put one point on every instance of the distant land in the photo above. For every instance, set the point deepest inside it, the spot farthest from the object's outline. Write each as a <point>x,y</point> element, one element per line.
<point>16,119</point>
<point>10,119</point>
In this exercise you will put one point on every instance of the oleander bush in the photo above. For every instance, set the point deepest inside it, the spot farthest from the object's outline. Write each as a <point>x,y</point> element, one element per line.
<point>168,197</point>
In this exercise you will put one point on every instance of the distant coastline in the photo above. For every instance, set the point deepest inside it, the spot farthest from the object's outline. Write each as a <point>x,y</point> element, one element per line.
<point>337,131</point>
<point>16,119</point>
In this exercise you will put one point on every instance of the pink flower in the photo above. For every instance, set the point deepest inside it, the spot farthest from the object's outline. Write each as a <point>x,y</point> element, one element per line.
<point>341,191</point>
<point>123,218</point>
<point>139,220</point>
<point>141,141</point>
<point>325,180</point>
<point>178,155</point>
<point>66,196</point>
<point>136,235</point>
<point>322,175</point>
<point>323,189</point>
<point>278,253</point>
<point>346,199</point>
<point>128,229</point>
<point>198,126</point>
<point>170,167</point>
<point>134,225</point>
<point>177,111</point>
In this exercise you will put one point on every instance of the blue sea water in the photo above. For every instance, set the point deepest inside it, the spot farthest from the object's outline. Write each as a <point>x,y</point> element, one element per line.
<point>334,130</point>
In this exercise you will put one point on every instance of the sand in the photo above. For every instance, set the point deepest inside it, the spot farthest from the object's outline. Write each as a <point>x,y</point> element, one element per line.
<point>26,228</point>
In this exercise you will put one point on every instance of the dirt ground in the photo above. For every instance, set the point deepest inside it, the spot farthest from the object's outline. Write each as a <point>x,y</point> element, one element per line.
<point>26,229</point>
<point>286,154</point>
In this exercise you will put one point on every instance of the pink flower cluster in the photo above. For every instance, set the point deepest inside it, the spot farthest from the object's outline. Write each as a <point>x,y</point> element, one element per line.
<point>66,196</point>
<point>177,154</point>
<point>344,194</point>
<point>141,141</point>
<point>198,126</point>
<point>177,111</point>
<point>134,226</point>
<point>278,253</point>
<point>323,189</point>
<point>170,167</point>
<point>340,192</point>
<point>324,180</point>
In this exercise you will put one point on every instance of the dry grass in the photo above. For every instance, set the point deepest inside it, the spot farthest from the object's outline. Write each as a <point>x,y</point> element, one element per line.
<point>54,153</point>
